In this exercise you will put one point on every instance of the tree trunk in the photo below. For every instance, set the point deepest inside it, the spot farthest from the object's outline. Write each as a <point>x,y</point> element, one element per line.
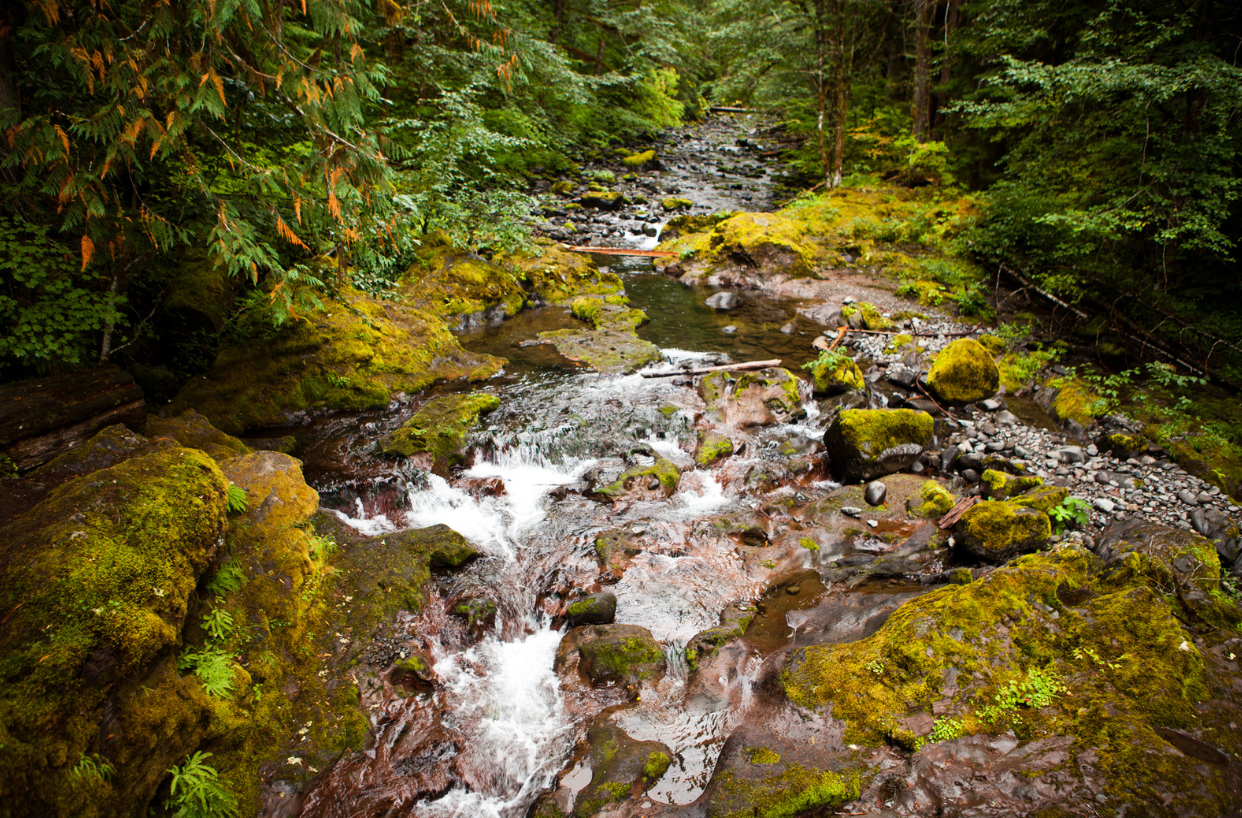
<point>922,69</point>
<point>952,16</point>
<point>9,99</point>
<point>821,94</point>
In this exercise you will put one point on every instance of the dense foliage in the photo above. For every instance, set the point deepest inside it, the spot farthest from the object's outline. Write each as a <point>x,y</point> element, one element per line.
<point>162,154</point>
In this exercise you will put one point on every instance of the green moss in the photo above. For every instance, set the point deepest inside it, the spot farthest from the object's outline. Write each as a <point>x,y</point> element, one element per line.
<point>1001,530</point>
<point>639,160</point>
<point>1043,499</point>
<point>676,203</point>
<point>963,372</point>
<point>762,755</point>
<point>995,346</point>
<point>655,766</point>
<point>835,376</point>
<point>713,446</point>
<point>664,470</point>
<point>440,427</point>
<point>872,319</point>
<point>937,500</point>
<point>808,544</point>
<point>1074,401</point>
<point>1000,486</point>
<point>795,791</point>
<point>603,199</point>
<point>874,431</point>
<point>628,657</point>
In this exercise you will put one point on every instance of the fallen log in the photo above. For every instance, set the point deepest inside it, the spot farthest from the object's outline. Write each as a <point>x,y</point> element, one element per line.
<point>955,513</point>
<point>724,368</point>
<point>729,109</point>
<point>41,418</point>
<point>624,251</point>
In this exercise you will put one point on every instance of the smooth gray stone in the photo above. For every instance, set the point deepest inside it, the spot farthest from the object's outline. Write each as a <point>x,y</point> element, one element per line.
<point>724,301</point>
<point>1187,498</point>
<point>875,493</point>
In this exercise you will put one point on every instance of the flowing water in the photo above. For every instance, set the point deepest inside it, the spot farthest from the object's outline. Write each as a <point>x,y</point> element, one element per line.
<point>500,724</point>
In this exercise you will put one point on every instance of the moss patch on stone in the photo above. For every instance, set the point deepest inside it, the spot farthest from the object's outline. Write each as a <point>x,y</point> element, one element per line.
<point>832,377</point>
<point>712,446</point>
<point>963,372</point>
<point>663,470</point>
<point>1001,486</point>
<point>794,791</point>
<point>639,160</point>
<point>998,531</point>
<point>440,427</point>
<point>936,500</point>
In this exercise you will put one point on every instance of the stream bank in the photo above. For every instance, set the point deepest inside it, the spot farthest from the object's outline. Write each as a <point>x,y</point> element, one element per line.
<point>778,642</point>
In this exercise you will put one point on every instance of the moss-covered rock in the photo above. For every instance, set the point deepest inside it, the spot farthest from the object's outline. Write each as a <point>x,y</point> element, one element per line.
<point>194,431</point>
<point>614,550</point>
<point>557,276</point>
<point>745,399</point>
<point>768,242</point>
<point>933,501</point>
<point>603,199</point>
<point>1043,498</point>
<point>95,583</point>
<point>625,654</point>
<point>440,427</point>
<point>640,160</point>
<point>1055,649</point>
<point>998,531</point>
<point>662,477</point>
<point>676,203</point>
<point>733,624</point>
<point>867,443</point>
<point>963,372</point>
<point>835,376</point>
<point>1001,486</point>
<point>1120,445</point>
<point>596,609</point>
<point>712,446</point>
<point>788,791</point>
<point>620,766</point>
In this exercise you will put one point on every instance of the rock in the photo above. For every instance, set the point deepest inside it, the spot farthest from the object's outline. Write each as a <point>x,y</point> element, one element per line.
<point>970,475</point>
<point>1001,486</point>
<point>867,443</point>
<point>1228,551</point>
<point>875,493</point>
<point>1198,521</point>
<point>729,330</point>
<point>619,769</point>
<point>1187,497</point>
<point>851,511</point>
<point>1071,454</point>
<point>95,607</point>
<point>665,472</point>
<point>676,203</point>
<point>712,446</point>
<point>603,199</point>
<point>1007,418</point>
<point>963,372</point>
<point>789,328</point>
<point>625,654</point>
<point>1104,505</point>
<point>997,531</point>
<point>724,301</point>
<point>831,376</point>
<point>904,378</point>
<point>744,399</point>
<point>440,427</point>
<point>596,609</point>
<point>990,405</point>
<point>276,492</point>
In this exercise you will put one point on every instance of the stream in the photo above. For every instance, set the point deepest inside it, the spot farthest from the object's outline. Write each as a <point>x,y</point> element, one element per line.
<point>501,724</point>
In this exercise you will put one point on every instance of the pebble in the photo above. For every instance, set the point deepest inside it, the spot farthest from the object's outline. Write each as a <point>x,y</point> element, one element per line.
<point>729,330</point>
<point>851,511</point>
<point>1187,498</point>
<point>1105,506</point>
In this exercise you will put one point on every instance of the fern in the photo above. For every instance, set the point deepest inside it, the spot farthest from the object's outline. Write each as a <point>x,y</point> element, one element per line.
<point>93,767</point>
<point>229,578</point>
<point>198,791</point>
<point>237,499</point>
<point>219,625</point>
<point>214,668</point>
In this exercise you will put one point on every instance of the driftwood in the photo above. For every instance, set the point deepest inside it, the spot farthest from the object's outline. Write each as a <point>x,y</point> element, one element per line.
<point>729,109</point>
<point>725,368</point>
<point>41,418</point>
<point>955,513</point>
<point>624,251</point>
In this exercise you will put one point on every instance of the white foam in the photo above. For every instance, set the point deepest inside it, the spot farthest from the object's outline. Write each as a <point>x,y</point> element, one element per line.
<point>699,493</point>
<point>368,526</point>
<point>508,698</point>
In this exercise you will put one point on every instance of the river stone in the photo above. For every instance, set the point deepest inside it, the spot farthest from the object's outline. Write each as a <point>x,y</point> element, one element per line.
<point>1198,521</point>
<point>875,493</point>
<point>625,654</point>
<point>744,399</point>
<point>998,531</point>
<point>712,446</point>
<point>729,330</point>
<point>724,301</point>
<point>1187,498</point>
<point>867,443</point>
<point>596,609</point>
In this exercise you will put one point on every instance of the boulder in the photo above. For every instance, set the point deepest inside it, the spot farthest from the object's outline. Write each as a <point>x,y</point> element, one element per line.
<point>440,427</point>
<point>603,199</point>
<point>998,531</point>
<point>620,768</point>
<point>744,399</point>
<point>867,443</point>
<point>624,654</point>
<point>194,431</point>
<point>1000,486</point>
<point>963,372</point>
<point>724,301</point>
<point>660,478</point>
<point>596,609</point>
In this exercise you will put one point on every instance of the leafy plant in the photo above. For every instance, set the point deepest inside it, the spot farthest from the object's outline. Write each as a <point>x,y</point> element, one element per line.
<point>229,578</point>
<point>829,360</point>
<point>876,666</point>
<point>1039,689</point>
<point>219,625</point>
<point>1072,510</point>
<point>198,791</point>
<point>214,668</point>
<point>93,767</point>
<point>238,499</point>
